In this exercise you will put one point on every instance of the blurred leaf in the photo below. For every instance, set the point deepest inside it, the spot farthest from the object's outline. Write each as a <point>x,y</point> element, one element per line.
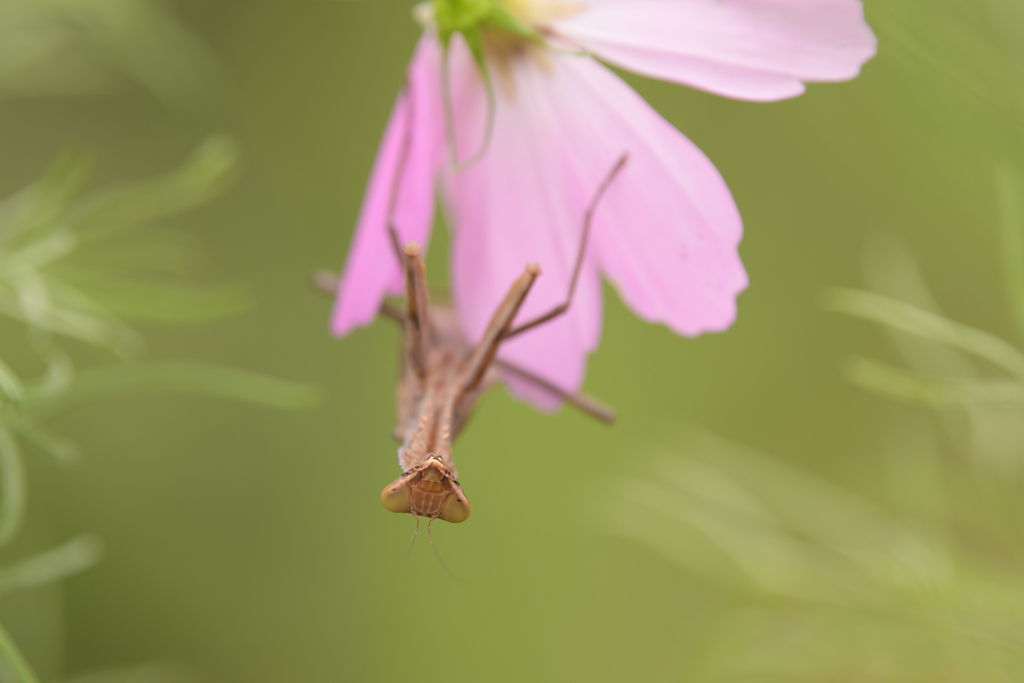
<point>906,318</point>
<point>792,534</point>
<point>152,251</point>
<point>168,303</point>
<point>73,47</point>
<point>1010,188</point>
<point>61,450</point>
<point>12,488</point>
<point>43,203</point>
<point>10,385</point>
<point>22,263</point>
<point>890,269</point>
<point>179,377</point>
<point>148,43</point>
<point>204,175</point>
<point>50,305</point>
<point>55,279</point>
<point>148,673</point>
<point>55,564</point>
<point>934,391</point>
<point>990,433</point>
<point>15,662</point>
<point>58,375</point>
<point>852,584</point>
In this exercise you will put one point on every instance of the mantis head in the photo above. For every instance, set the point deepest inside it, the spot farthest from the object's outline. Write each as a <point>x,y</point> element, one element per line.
<point>428,490</point>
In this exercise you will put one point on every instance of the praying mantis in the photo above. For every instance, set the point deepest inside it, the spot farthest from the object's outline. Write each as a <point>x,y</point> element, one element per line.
<point>443,376</point>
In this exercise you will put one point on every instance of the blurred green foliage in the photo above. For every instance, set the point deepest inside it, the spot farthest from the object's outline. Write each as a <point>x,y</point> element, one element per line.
<point>80,266</point>
<point>839,586</point>
<point>80,47</point>
<point>942,354</point>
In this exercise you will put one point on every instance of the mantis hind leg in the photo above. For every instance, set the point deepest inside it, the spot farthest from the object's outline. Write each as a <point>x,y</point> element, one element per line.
<point>501,325</point>
<point>588,404</point>
<point>484,356</point>
<point>588,218</point>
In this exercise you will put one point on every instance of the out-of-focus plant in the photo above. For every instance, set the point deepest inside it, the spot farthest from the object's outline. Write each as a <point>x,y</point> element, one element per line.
<point>942,354</point>
<point>924,584</point>
<point>79,266</point>
<point>150,673</point>
<point>969,58</point>
<point>73,47</point>
<point>958,96</point>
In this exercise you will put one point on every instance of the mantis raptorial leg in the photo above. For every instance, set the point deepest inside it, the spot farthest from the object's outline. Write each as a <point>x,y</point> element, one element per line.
<point>453,413</point>
<point>326,282</point>
<point>500,327</point>
<point>443,376</point>
<point>496,330</point>
<point>417,311</point>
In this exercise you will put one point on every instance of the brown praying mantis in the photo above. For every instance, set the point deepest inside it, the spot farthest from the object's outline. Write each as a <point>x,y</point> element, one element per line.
<point>443,376</point>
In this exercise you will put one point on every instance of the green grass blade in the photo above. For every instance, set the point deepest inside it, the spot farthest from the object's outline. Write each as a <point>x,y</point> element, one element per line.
<point>10,385</point>
<point>55,564</point>
<point>39,207</point>
<point>16,662</point>
<point>12,488</point>
<point>64,452</point>
<point>1010,186</point>
<point>181,377</point>
<point>932,391</point>
<point>204,175</point>
<point>906,318</point>
<point>167,303</point>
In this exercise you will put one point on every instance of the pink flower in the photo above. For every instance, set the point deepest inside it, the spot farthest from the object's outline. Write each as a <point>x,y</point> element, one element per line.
<point>666,233</point>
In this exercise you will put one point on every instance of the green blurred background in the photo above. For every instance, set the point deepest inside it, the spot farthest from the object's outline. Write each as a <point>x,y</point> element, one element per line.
<point>247,545</point>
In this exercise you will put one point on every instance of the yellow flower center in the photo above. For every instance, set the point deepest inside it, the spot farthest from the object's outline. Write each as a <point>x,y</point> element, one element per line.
<point>538,13</point>
<point>504,48</point>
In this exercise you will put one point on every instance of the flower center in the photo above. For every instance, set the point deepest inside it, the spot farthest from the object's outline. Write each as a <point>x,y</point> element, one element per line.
<point>518,18</point>
<point>538,13</point>
<point>498,32</point>
<point>505,48</point>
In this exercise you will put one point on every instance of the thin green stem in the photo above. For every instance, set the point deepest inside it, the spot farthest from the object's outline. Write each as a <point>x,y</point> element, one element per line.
<point>913,320</point>
<point>12,488</point>
<point>476,48</point>
<point>16,661</point>
<point>1010,187</point>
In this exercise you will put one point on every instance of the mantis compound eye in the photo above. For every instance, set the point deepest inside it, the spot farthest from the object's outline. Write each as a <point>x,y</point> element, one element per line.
<point>456,509</point>
<point>395,496</point>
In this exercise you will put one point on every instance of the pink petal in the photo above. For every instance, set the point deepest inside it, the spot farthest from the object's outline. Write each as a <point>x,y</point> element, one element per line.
<point>748,49</point>
<point>668,230</point>
<point>666,233</point>
<point>372,270</point>
<point>515,206</point>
